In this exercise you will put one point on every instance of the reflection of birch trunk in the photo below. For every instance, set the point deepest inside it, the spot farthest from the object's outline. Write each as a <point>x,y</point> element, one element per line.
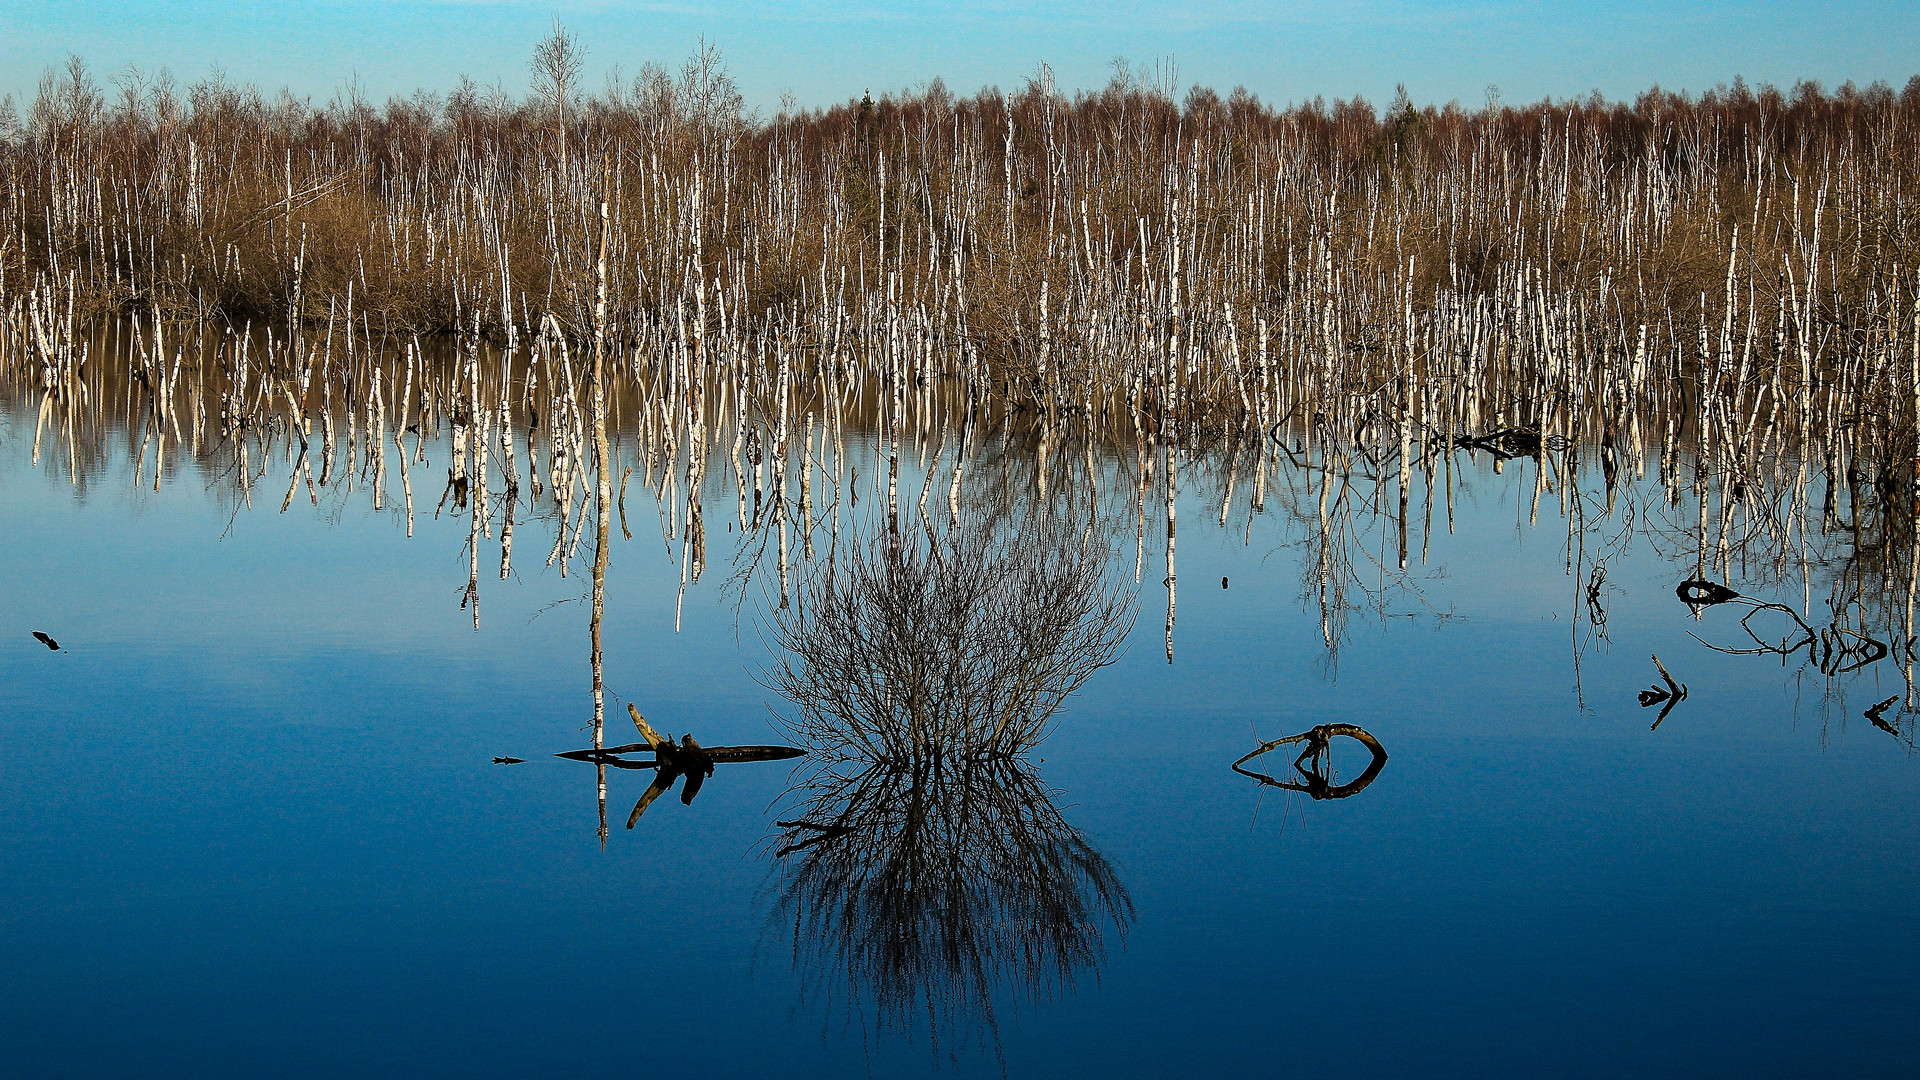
<point>894,375</point>
<point>293,482</point>
<point>1406,466</point>
<point>1324,571</point>
<point>246,468</point>
<point>533,436</point>
<point>780,514</point>
<point>40,424</point>
<point>473,568</point>
<point>377,447</point>
<point>1041,460</point>
<point>806,492</point>
<point>480,420</point>
<point>780,465</point>
<point>600,783</point>
<point>511,475</point>
<point>457,467</point>
<point>506,536</point>
<point>960,464</point>
<point>693,539</point>
<point>735,380</point>
<point>559,470</point>
<point>926,488</point>
<point>160,430</point>
<point>400,441</point>
<point>353,438</point>
<point>1140,500</point>
<point>326,424</point>
<point>1913,579</point>
<point>1233,479</point>
<point>1172,490</point>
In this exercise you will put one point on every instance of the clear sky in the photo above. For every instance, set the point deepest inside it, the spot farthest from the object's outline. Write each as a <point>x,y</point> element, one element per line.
<point>826,52</point>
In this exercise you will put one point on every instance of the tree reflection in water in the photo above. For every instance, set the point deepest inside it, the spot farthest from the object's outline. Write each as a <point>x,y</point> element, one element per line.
<point>927,875</point>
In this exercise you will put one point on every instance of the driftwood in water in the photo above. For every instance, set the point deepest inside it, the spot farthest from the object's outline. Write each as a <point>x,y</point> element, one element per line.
<point>1315,762</point>
<point>1505,443</point>
<point>673,760</point>
<point>1674,694</point>
<point>719,755</point>
<point>1834,649</point>
<point>1877,715</point>
<point>1697,593</point>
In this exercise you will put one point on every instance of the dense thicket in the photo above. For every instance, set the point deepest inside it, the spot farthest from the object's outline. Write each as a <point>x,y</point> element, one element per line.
<point>1109,246</point>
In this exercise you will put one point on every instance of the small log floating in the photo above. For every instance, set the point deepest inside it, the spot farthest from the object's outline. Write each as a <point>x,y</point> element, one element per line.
<point>720,755</point>
<point>673,760</point>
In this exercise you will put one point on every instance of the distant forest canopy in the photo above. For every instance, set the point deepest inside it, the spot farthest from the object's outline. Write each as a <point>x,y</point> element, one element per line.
<point>74,102</point>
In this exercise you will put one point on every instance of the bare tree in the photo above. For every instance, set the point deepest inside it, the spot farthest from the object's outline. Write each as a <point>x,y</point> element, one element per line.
<point>906,651</point>
<point>556,67</point>
<point>708,95</point>
<point>655,98</point>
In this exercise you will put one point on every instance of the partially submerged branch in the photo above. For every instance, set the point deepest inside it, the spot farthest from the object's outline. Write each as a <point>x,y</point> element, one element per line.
<point>1315,763</point>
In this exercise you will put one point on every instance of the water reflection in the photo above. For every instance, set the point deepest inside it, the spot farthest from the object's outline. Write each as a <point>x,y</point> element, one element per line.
<point>1834,649</point>
<point>1877,716</point>
<point>1673,693</point>
<point>939,581</point>
<point>1362,484</point>
<point>925,875</point>
<point>926,893</point>
<point>1317,779</point>
<point>1810,513</point>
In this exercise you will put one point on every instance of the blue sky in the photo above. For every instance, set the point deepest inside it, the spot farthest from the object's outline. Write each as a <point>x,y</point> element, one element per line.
<point>828,52</point>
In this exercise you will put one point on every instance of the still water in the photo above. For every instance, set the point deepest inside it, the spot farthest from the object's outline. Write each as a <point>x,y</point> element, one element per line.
<point>252,823</point>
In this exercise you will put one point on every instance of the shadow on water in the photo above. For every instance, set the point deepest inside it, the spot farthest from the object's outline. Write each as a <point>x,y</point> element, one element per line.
<point>925,874</point>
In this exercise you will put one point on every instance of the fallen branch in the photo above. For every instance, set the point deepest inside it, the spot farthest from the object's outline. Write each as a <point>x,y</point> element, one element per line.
<point>1318,781</point>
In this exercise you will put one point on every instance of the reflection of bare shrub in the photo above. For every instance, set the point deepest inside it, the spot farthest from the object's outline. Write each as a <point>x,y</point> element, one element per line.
<point>910,651</point>
<point>926,889</point>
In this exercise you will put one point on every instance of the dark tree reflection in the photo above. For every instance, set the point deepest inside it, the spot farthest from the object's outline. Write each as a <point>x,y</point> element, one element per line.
<point>927,874</point>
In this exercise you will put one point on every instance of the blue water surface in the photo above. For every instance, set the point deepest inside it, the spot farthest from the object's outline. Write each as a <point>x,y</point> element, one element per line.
<point>250,827</point>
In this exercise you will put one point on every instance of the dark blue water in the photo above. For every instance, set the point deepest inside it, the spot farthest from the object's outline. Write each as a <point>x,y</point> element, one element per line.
<point>249,823</point>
